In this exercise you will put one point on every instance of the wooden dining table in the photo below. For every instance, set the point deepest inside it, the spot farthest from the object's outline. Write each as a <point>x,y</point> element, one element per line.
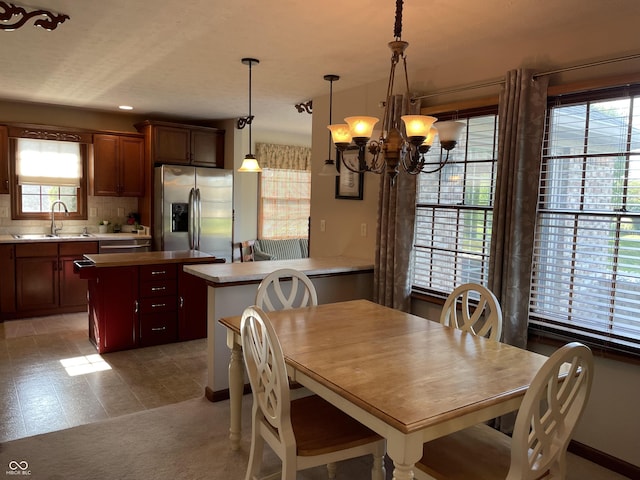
<point>407,378</point>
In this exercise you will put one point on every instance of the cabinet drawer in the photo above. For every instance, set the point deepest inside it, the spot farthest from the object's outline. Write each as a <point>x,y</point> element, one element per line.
<point>78,248</point>
<point>158,305</point>
<point>158,288</point>
<point>157,272</point>
<point>158,329</point>
<point>36,250</point>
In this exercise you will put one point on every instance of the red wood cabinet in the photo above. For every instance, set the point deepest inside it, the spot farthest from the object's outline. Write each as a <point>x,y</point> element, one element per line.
<point>144,305</point>
<point>175,143</point>
<point>7,280</point>
<point>118,167</point>
<point>44,278</point>
<point>4,160</point>
<point>192,307</point>
<point>158,322</point>
<point>37,278</point>
<point>113,308</point>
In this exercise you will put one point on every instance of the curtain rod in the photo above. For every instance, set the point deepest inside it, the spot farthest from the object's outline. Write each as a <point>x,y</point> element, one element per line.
<point>461,89</point>
<point>535,75</point>
<point>587,65</point>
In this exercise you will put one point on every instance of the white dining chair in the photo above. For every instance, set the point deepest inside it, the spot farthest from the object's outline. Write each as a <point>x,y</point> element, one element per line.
<point>305,432</point>
<point>544,424</point>
<point>286,288</point>
<point>473,308</point>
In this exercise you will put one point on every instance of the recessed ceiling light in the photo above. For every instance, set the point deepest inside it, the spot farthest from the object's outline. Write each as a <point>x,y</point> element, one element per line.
<point>125,107</point>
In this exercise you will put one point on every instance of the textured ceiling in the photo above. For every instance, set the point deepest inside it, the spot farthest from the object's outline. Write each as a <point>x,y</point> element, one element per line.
<point>182,58</point>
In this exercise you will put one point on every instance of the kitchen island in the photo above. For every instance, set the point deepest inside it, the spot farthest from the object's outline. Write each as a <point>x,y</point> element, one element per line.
<point>232,287</point>
<point>144,299</point>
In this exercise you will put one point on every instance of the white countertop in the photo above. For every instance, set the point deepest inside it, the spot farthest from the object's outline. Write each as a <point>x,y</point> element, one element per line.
<point>64,237</point>
<point>225,273</point>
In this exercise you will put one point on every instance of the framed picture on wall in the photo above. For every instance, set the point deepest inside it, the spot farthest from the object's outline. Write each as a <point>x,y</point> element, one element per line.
<point>349,185</point>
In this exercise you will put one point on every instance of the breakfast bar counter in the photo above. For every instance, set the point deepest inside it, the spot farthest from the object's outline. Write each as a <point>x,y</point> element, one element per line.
<point>232,287</point>
<point>148,258</point>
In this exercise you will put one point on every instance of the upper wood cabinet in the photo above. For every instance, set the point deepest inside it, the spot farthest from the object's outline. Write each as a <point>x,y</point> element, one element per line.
<point>118,167</point>
<point>4,160</point>
<point>174,143</point>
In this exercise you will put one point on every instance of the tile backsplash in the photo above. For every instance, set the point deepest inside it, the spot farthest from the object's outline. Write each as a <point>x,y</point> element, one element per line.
<point>113,209</point>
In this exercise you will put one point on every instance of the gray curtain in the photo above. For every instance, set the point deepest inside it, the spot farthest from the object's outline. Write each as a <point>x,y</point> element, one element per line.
<point>521,115</point>
<point>396,217</point>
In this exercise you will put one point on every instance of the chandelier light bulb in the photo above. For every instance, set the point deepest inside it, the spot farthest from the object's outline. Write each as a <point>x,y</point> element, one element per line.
<point>341,134</point>
<point>361,127</point>
<point>417,125</point>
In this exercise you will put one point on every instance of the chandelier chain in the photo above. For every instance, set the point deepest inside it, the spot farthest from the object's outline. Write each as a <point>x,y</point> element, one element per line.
<point>397,26</point>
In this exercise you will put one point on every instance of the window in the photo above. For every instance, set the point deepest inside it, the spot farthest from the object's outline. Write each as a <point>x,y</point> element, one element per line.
<point>285,203</point>
<point>586,265</point>
<point>454,209</point>
<point>45,171</point>
<point>285,191</point>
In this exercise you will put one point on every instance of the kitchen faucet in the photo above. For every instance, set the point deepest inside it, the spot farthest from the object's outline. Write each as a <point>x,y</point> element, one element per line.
<point>54,228</point>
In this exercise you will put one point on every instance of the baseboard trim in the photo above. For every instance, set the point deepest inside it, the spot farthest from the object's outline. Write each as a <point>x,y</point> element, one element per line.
<point>220,395</point>
<point>604,460</point>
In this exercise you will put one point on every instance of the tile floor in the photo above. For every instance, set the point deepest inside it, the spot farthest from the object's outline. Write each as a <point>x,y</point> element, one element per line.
<point>45,386</point>
<point>40,390</point>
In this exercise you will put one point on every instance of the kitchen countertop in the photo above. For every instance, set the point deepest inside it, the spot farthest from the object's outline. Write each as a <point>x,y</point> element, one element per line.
<point>229,273</point>
<point>65,237</point>
<point>148,258</point>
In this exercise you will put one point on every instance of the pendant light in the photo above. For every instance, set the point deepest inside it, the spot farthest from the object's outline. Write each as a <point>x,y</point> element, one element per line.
<point>249,164</point>
<point>329,168</point>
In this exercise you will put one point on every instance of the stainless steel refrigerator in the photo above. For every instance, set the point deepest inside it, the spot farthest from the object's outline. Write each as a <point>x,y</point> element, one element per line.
<point>193,209</point>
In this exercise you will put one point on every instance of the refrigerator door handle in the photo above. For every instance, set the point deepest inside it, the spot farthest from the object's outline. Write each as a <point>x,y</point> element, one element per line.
<point>198,219</point>
<point>192,219</point>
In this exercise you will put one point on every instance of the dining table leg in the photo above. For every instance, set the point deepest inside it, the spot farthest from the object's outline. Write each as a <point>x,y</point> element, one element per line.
<point>404,451</point>
<point>236,389</point>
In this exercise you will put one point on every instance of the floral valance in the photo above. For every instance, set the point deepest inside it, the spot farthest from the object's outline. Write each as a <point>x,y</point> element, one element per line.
<point>285,157</point>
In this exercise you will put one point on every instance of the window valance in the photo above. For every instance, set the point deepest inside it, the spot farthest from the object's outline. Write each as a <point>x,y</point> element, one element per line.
<point>285,157</point>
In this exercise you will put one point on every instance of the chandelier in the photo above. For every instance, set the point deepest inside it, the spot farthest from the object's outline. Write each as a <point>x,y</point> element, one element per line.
<point>395,147</point>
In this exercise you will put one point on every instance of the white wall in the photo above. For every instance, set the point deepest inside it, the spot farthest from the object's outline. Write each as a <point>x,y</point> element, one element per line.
<point>342,218</point>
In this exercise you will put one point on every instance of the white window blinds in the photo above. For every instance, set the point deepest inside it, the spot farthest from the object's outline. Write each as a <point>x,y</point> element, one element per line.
<point>48,162</point>
<point>586,265</point>
<point>454,211</point>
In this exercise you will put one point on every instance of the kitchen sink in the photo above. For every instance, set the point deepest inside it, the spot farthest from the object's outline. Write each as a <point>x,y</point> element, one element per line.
<point>48,236</point>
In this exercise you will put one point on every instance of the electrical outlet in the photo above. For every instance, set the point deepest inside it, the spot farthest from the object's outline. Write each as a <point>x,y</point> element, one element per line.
<point>93,212</point>
<point>363,229</point>
<point>4,212</point>
<point>120,212</point>
<point>323,225</point>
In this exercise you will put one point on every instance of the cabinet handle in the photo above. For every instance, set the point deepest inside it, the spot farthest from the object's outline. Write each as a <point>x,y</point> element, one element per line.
<point>157,289</point>
<point>159,329</point>
<point>136,306</point>
<point>159,272</point>
<point>181,301</point>
<point>158,305</point>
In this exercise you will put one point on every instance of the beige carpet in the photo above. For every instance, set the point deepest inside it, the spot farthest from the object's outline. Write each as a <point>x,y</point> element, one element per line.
<point>188,440</point>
